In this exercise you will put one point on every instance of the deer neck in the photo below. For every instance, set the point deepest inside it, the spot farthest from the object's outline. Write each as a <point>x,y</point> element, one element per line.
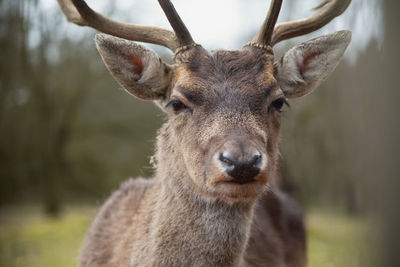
<point>190,230</point>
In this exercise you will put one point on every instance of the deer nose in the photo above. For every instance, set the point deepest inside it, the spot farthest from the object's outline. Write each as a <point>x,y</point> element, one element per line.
<point>243,169</point>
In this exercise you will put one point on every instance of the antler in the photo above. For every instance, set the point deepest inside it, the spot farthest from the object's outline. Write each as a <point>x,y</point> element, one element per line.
<point>78,12</point>
<point>263,36</point>
<point>327,10</point>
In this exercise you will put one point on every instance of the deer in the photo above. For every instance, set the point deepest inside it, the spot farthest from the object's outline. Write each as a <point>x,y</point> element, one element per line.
<point>213,200</point>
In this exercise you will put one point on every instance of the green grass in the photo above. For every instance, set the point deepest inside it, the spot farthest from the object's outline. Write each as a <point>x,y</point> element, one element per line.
<point>338,240</point>
<point>29,239</point>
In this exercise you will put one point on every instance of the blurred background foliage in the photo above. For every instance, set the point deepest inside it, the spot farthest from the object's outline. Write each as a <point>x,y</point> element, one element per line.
<point>66,133</point>
<point>69,135</point>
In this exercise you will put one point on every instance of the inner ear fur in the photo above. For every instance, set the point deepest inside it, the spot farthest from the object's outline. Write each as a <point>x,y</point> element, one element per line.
<point>304,67</point>
<point>136,68</point>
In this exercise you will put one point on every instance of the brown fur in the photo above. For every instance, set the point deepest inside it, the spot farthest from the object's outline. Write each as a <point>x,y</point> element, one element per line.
<point>191,214</point>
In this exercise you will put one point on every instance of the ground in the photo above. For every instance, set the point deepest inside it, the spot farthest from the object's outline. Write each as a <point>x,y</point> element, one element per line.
<point>27,238</point>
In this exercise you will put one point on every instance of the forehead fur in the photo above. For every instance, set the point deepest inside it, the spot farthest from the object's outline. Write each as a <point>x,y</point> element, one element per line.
<point>217,75</point>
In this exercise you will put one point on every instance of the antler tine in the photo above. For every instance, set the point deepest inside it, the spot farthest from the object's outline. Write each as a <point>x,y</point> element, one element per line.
<point>327,10</point>
<point>264,35</point>
<point>182,33</point>
<point>78,12</point>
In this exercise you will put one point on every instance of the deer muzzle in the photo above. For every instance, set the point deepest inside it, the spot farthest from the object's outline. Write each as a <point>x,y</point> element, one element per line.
<point>240,161</point>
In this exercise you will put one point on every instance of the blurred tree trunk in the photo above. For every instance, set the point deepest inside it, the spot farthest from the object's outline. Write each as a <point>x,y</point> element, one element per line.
<point>34,129</point>
<point>386,160</point>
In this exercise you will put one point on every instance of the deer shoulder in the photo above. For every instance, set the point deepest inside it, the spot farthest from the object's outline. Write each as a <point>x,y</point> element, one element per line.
<point>117,217</point>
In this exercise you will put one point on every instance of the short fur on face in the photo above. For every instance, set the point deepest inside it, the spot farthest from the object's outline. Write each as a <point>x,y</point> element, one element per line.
<point>224,104</point>
<point>227,98</point>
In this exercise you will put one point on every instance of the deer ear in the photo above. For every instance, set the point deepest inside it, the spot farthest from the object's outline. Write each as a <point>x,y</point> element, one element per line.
<point>138,69</point>
<point>305,66</point>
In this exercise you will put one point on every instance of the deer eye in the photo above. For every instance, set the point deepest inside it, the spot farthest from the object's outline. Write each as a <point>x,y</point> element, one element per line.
<point>278,104</point>
<point>177,105</point>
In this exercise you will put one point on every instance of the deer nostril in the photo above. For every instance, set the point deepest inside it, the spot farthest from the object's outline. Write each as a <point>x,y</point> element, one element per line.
<point>227,158</point>
<point>241,170</point>
<point>255,159</point>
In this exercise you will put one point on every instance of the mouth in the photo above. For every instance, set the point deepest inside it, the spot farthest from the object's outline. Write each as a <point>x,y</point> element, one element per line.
<point>241,182</point>
<point>223,178</point>
<point>236,184</point>
<point>239,190</point>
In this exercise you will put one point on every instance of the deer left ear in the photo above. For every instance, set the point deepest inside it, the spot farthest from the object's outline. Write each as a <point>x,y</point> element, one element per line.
<point>305,66</point>
<point>138,69</point>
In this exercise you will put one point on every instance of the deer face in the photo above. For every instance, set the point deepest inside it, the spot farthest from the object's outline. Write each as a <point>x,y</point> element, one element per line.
<point>224,109</point>
<point>224,106</point>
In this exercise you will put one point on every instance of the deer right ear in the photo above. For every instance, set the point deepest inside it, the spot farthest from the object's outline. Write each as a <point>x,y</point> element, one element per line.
<point>138,69</point>
<point>307,65</point>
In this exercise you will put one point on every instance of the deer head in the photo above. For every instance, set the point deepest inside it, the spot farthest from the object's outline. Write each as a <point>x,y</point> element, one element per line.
<point>224,107</point>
